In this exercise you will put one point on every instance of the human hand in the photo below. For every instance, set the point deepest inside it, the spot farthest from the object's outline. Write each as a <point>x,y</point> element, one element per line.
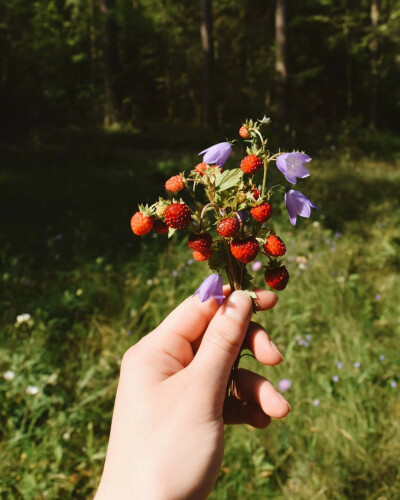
<point>167,434</point>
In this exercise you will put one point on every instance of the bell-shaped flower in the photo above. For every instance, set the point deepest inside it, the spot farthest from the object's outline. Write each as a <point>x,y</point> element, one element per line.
<point>217,154</point>
<point>211,288</point>
<point>298,204</point>
<point>293,166</point>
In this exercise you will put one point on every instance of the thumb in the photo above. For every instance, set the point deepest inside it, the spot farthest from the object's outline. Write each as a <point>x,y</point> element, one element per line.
<point>223,339</point>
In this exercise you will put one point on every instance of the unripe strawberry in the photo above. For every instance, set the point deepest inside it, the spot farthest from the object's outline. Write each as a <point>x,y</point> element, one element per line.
<point>245,250</point>
<point>200,168</point>
<point>244,132</point>
<point>203,255</point>
<point>251,164</point>
<point>261,213</point>
<point>200,241</point>
<point>141,224</point>
<point>228,227</point>
<point>160,227</point>
<point>175,184</point>
<point>277,278</point>
<point>274,246</point>
<point>177,215</point>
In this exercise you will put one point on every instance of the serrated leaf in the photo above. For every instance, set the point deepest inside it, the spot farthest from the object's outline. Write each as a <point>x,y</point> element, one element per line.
<point>228,179</point>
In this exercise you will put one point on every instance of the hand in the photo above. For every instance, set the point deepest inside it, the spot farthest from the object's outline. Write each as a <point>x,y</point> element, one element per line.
<point>167,434</point>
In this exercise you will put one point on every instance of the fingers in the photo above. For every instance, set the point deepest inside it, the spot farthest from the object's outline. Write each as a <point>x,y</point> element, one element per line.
<point>242,412</point>
<point>260,344</point>
<point>253,388</point>
<point>265,300</point>
<point>223,338</point>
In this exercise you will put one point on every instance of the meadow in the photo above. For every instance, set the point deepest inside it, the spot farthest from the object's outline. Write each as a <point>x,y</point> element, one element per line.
<point>77,288</point>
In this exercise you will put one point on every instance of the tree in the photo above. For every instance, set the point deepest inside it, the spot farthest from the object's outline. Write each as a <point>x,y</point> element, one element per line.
<point>207,43</point>
<point>280,63</point>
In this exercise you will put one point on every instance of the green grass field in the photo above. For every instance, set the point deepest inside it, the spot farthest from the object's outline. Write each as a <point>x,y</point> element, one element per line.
<point>91,288</point>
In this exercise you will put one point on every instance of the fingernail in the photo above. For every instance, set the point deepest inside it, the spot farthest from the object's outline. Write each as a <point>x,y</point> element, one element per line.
<point>238,306</point>
<point>282,399</point>
<point>275,348</point>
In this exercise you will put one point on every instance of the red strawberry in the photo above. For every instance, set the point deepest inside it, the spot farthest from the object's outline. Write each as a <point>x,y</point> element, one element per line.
<point>160,227</point>
<point>261,213</point>
<point>244,132</point>
<point>202,256</point>
<point>245,250</point>
<point>227,228</point>
<point>251,164</point>
<point>256,193</point>
<point>200,241</point>
<point>200,168</point>
<point>277,278</point>
<point>274,246</point>
<point>141,224</point>
<point>177,215</point>
<point>175,184</point>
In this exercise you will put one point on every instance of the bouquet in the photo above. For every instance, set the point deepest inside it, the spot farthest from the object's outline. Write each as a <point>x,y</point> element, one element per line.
<point>229,216</point>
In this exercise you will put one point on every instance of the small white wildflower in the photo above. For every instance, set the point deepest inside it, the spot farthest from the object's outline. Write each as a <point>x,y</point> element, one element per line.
<point>9,375</point>
<point>149,282</point>
<point>315,223</point>
<point>79,292</point>
<point>302,266</point>
<point>66,436</point>
<point>23,318</point>
<point>340,279</point>
<point>32,390</point>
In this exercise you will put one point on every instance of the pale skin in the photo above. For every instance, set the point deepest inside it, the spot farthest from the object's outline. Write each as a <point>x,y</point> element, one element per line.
<point>167,433</point>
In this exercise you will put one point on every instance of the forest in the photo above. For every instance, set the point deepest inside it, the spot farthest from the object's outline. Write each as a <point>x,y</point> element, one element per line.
<point>317,67</point>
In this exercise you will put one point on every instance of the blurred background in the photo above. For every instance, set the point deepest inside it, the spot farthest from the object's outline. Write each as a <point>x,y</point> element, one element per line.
<point>101,101</point>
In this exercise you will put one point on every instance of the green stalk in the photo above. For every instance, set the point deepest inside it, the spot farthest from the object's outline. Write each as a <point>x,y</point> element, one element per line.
<point>266,161</point>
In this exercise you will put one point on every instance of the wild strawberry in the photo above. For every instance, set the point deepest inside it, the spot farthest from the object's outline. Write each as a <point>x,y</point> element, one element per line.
<point>244,132</point>
<point>175,184</point>
<point>141,224</point>
<point>200,241</point>
<point>261,213</point>
<point>277,278</point>
<point>177,215</point>
<point>245,250</point>
<point>251,164</point>
<point>202,256</point>
<point>160,227</point>
<point>274,246</point>
<point>256,193</point>
<point>228,227</point>
<point>200,168</point>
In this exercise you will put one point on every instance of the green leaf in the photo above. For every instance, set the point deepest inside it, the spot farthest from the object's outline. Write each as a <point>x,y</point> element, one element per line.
<point>228,179</point>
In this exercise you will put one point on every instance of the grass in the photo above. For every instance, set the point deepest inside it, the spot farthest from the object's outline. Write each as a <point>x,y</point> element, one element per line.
<point>69,260</point>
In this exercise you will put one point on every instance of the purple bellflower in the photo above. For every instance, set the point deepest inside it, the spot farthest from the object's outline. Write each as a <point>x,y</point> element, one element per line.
<point>293,166</point>
<point>298,204</point>
<point>217,154</point>
<point>211,288</point>
<point>284,384</point>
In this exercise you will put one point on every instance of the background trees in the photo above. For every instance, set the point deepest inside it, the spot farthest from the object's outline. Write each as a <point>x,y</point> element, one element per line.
<point>313,64</point>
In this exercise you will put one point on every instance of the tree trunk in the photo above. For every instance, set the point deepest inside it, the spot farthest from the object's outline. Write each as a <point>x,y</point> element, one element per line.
<point>207,43</point>
<point>110,59</point>
<point>373,46</point>
<point>280,63</point>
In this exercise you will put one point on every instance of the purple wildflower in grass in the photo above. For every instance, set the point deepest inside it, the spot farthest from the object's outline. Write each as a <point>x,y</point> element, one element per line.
<point>335,378</point>
<point>316,402</point>
<point>298,204</point>
<point>309,337</point>
<point>378,296</point>
<point>393,384</point>
<point>382,357</point>
<point>339,365</point>
<point>190,262</point>
<point>211,288</point>
<point>357,364</point>
<point>175,273</point>
<point>256,266</point>
<point>284,384</point>
<point>293,166</point>
<point>217,154</point>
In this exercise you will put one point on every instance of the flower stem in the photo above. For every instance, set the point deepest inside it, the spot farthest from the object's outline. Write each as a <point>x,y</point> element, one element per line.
<point>266,161</point>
